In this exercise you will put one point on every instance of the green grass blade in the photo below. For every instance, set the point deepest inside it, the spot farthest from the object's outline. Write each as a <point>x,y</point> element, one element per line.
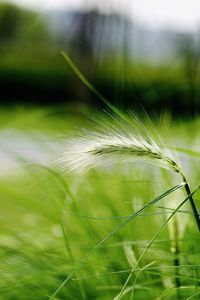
<point>84,80</point>
<point>171,291</point>
<point>188,152</point>
<point>137,276</point>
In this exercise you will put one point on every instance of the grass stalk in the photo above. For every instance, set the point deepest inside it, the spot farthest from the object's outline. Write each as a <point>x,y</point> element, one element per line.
<point>176,252</point>
<point>194,209</point>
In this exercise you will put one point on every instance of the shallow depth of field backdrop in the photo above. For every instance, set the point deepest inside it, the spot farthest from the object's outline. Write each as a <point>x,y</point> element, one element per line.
<point>66,235</point>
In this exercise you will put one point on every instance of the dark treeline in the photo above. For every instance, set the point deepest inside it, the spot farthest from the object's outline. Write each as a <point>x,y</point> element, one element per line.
<point>51,89</point>
<point>32,71</point>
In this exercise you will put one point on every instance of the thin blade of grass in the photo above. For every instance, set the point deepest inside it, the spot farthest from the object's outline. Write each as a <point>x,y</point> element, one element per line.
<point>172,291</point>
<point>143,269</point>
<point>85,81</point>
<point>193,296</point>
<point>188,152</point>
<point>138,274</point>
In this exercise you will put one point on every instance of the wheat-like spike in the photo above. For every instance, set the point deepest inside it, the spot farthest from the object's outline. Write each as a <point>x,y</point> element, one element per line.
<point>120,144</point>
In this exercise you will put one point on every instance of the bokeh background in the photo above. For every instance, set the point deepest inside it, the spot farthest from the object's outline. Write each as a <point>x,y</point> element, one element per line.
<point>137,53</point>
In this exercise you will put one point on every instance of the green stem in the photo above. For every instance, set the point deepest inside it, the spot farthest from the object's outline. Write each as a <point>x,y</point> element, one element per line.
<point>194,209</point>
<point>176,256</point>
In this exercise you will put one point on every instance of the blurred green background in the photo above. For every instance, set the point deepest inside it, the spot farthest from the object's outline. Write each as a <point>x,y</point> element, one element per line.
<point>133,66</point>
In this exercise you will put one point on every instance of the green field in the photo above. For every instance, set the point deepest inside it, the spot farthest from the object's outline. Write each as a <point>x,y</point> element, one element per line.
<point>72,237</point>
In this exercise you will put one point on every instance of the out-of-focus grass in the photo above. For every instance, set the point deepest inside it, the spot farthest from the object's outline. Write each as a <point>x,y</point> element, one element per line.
<point>49,221</point>
<point>61,119</point>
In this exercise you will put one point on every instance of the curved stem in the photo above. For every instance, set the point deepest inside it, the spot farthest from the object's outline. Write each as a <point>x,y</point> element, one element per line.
<point>194,209</point>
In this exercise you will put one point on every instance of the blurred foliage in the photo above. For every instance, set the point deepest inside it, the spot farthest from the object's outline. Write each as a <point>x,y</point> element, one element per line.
<point>10,22</point>
<point>17,24</point>
<point>33,71</point>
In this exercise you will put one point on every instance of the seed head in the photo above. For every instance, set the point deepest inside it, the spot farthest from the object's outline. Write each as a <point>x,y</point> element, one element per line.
<point>116,143</point>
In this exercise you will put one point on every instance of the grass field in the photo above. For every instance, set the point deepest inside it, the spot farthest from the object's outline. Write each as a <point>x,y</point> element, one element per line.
<point>66,236</point>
